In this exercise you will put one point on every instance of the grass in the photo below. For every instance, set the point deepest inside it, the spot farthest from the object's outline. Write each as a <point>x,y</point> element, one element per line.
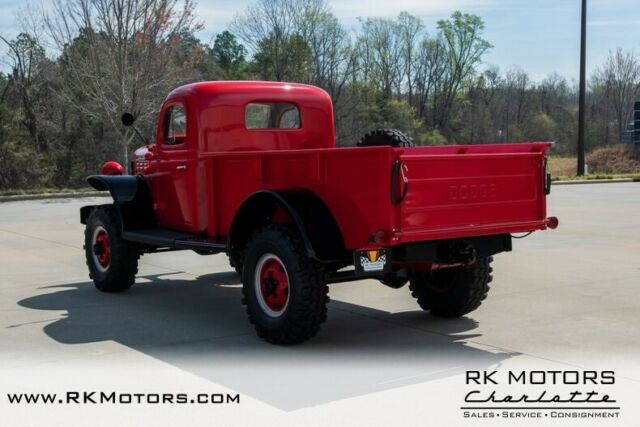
<point>598,176</point>
<point>565,168</point>
<point>562,166</point>
<point>43,191</point>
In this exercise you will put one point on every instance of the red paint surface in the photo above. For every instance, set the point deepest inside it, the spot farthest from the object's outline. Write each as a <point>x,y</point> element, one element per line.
<point>104,257</point>
<point>274,284</point>
<point>454,191</point>
<point>112,168</point>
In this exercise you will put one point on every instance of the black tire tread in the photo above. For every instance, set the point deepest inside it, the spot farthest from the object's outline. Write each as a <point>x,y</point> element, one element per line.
<point>124,259</point>
<point>303,319</point>
<point>236,263</point>
<point>382,137</point>
<point>471,290</point>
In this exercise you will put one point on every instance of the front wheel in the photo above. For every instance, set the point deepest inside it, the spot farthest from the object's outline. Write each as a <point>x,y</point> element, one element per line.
<point>284,290</point>
<point>112,261</point>
<point>452,292</point>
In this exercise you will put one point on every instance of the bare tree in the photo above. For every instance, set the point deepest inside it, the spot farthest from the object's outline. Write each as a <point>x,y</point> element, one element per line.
<point>432,69</point>
<point>330,47</point>
<point>480,108</point>
<point>517,86</point>
<point>272,30</point>
<point>619,81</point>
<point>119,55</point>
<point>24,57</point>
<point>409,28</point>
<point>381,55</point>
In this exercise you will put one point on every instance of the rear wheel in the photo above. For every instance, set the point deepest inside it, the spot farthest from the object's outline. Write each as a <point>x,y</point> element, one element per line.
<point>452,292</point>
<point>284,290</point>
<point>112,261</point>
<point>382,137</point>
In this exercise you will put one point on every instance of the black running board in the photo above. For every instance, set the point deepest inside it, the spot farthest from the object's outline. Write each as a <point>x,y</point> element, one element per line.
<point>163,238</point>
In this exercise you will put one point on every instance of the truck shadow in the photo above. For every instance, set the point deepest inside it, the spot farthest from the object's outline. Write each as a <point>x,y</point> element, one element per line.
<point>200,327</point>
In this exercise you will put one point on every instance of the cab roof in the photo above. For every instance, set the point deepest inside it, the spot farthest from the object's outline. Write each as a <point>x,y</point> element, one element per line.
<point>251,90</point>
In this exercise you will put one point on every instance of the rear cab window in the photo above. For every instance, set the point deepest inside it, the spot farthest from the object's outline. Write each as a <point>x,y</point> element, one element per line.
<point>272,115</point>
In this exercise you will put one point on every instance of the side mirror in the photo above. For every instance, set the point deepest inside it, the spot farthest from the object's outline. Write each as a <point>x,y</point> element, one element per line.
<point>128,119</point>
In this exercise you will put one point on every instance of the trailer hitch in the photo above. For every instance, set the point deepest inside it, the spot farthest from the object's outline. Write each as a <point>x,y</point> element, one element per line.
<point>463,252</point>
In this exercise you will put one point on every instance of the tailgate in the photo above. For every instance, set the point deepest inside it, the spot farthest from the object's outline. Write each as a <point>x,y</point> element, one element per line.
<point>463,191</point>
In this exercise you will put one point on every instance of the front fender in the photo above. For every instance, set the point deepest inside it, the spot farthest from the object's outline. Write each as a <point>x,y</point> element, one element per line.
<point>123,188</point>
<point>130,194</point>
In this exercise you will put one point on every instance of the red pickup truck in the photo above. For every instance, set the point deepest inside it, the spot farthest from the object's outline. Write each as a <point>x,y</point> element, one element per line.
<point>251,169</point>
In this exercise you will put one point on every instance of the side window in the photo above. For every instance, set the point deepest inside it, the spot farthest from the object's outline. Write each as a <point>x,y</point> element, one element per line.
<point>176,125</point>
<point>272,115</point>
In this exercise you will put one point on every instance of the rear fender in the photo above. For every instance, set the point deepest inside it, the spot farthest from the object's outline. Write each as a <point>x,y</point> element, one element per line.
<point>313,220</point>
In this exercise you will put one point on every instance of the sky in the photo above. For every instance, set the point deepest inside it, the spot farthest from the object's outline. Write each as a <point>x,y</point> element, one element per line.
<point>538,36</point>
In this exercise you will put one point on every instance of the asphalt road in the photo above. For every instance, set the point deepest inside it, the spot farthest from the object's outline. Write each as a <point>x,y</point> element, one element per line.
<point>563,299</point>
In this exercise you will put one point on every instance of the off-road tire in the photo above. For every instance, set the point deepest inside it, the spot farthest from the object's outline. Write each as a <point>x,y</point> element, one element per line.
<point>306,309</point>
<point>394,282</point>
<point>452,292</point>
<point>123,267</point>
<point>235,261</point>
<point>382,137</point>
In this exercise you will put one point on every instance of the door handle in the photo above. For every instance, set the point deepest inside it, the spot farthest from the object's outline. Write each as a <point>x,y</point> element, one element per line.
<point>181,167</point>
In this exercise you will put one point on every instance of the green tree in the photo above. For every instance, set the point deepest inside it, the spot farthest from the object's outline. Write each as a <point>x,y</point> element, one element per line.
<point>462,35</point>
<point>541,127</point>
<point>21,166</point>
<point>26,54</point>
<point>282,59</point>
<point>229,54</point>
<point>4,85</point>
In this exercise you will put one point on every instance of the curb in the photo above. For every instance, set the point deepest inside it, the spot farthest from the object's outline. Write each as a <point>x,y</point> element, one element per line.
<point>44,196</point>
<point>595,181</point>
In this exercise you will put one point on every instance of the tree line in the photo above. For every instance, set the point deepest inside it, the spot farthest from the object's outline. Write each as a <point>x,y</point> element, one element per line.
<point>77,67</point>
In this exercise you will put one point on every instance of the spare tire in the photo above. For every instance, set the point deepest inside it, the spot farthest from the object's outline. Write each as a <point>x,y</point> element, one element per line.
<point>382,137</point>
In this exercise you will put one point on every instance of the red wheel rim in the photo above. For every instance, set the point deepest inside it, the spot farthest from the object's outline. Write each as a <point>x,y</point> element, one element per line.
<point>272,283</point>
<point>440,286</point>
<point>101,248</point>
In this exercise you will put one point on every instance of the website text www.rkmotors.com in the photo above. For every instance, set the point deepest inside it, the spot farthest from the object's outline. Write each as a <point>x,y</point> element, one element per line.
<point>121,398</point>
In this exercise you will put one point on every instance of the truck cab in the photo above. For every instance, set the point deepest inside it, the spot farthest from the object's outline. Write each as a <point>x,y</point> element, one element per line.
<point>225,117</point>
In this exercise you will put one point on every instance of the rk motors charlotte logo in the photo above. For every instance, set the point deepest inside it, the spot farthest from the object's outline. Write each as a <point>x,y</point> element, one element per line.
<point>540,394</point>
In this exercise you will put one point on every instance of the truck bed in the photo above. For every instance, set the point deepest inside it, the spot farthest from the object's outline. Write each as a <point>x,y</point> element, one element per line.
<point>453,191</point>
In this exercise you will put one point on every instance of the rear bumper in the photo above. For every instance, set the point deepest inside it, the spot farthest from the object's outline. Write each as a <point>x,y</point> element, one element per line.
<point>404,258</point>
<point>449,251</point>
<point>470,231</point>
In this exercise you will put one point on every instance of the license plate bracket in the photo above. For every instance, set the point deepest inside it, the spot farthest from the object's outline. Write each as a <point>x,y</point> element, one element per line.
<point>372,261</point>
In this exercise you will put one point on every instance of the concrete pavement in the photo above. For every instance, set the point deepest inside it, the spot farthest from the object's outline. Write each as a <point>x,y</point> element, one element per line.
<point>562,299</point>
